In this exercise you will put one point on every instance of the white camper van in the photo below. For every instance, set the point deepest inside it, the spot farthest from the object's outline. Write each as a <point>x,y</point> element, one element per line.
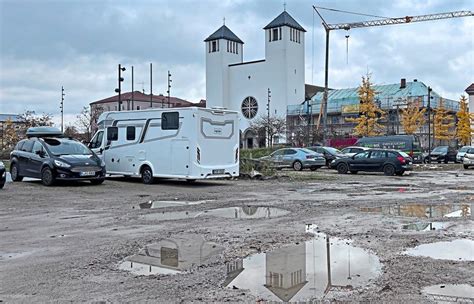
<point>187,143</point>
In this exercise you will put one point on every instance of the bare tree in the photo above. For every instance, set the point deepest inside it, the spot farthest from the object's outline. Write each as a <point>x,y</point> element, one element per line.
<point>30,119</point>
<point>87,121</point>
<point>273,126</point>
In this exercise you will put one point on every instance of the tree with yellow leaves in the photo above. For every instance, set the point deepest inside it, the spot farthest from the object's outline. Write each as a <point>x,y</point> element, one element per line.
<point>464,130</point>
<point>10,136</point>
<point>412,117</point>
<point>369,113</point>
<point>442,123</point>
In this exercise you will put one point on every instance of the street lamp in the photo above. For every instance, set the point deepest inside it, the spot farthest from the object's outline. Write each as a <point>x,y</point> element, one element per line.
<point>429,118</point>
<point>119,89</point>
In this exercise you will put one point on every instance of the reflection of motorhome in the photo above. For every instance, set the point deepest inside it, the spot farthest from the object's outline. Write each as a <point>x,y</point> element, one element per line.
<point>189,143</point>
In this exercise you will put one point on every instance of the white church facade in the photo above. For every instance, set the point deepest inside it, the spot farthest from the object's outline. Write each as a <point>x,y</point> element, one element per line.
<point>246,87</point>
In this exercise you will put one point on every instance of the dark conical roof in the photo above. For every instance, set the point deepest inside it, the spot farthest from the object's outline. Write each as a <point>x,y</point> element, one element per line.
<point>284,19</point>
<point>224,33</point>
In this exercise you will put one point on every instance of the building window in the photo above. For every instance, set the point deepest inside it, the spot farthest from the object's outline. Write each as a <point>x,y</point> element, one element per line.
<point>214,46</point>
<point>138,107</point>
<point>279,33</point>
<point>275,34</point>
<point>170,121</point>
<point>249,107</point>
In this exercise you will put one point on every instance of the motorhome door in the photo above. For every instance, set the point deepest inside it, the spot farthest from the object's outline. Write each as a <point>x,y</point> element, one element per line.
<point>97,144</point>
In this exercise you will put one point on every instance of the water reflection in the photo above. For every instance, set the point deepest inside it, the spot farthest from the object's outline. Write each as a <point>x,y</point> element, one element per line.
<point>247,212</point>
<point>171,256</point>
<point>423,210</point>
<point>457,250</point>
<point>452,293</point>
<point>427,226</point>
<point>306,271</point>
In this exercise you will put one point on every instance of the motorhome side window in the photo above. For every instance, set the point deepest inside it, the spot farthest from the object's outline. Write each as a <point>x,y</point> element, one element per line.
<point>112,133</point>
<point>130,133</point>
<point>170,121</point>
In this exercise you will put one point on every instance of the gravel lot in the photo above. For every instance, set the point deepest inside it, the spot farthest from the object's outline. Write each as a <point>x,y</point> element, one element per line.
<point>66,243</point>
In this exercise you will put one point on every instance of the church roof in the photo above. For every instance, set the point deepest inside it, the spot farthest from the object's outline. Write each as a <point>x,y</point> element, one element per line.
<point>224,33</point>
<point>284,19</point>
<point>470,89</point>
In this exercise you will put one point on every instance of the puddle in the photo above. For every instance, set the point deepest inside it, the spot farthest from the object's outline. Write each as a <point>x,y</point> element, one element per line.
<point>423,210</point>
<point>171,256</point>
<point>306,271</point>
<point>397,189</point>
<point>427,226</point>
<point>162,204</point>
<point>247,212</point>
<point>450,293</point>
<point>457,250</point>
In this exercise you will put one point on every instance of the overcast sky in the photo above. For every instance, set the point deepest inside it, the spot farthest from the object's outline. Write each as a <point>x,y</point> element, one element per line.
<point>46,44</point>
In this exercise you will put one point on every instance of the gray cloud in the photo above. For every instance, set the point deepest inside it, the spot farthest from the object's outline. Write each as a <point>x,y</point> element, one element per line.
<point>78,44</point>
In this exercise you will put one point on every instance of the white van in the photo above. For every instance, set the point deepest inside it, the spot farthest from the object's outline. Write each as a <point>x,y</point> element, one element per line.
<point>187,143</point>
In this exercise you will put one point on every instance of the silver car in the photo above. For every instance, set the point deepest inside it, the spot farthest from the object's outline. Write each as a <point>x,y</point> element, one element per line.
<point>296,158</point>
<point>468,159</point>
<point>461,152</point>
<point>353,150</point>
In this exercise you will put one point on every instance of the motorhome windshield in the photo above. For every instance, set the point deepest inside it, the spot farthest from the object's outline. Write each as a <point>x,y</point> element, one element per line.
<point>66,147</point>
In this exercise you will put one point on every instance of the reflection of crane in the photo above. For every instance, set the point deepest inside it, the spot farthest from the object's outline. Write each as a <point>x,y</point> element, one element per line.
<point>378,22</point>
<point>330,286</point>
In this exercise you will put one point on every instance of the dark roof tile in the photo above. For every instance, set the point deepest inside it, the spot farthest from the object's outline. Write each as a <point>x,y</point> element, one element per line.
<point>224,33</point>
<point>284,19</point>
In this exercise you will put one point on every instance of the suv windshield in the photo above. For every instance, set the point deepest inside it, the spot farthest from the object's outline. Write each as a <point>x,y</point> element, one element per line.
<point>440,149</point>
<point>66,147</point>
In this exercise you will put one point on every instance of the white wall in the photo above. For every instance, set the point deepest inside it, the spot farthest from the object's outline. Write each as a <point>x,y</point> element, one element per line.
<point>471,110</point>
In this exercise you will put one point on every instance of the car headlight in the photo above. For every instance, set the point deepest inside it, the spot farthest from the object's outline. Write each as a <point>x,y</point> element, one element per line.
<point>61,164</point>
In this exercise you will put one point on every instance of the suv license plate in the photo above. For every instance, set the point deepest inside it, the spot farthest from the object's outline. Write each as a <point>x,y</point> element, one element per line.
<point>88,173</point>
<point>218,171</point>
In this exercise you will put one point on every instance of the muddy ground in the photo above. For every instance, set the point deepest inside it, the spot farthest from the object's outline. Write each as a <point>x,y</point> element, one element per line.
<point>65,243</point>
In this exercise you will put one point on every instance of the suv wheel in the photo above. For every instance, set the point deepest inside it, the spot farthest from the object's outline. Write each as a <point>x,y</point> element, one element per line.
<point>389,170</point>
<point>342,168</point>
<point>466,167</point>
<point>147,175</point>
<point>47,177</point>
<point>14,172</point>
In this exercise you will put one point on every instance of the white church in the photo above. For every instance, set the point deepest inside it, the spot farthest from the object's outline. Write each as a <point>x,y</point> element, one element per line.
<point>244,86</point>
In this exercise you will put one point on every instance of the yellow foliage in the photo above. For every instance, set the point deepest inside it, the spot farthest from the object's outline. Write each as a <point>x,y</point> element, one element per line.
<point>463,127</point>
<point>443,122</point>
<point>412,117</point>
<point>369,113</point>
<point>10,136</point>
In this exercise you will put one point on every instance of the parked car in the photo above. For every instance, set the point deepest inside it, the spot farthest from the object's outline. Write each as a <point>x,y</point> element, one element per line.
<point>410,144</point>
<point>461,153</point>
<point>468,159</point>
<point>3,175</point>
<point>353,150</point>
<point>442,154</point>
<point>296,158</point>
<point>329,153</point>
<point>389,162</point>
<point>55,158</point>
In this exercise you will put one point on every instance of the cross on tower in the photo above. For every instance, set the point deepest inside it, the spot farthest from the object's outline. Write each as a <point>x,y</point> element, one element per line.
<point>284,6</point>
<point>224,20</point>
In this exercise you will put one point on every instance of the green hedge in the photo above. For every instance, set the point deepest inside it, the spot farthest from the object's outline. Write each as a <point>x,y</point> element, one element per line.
<point>256,153</point>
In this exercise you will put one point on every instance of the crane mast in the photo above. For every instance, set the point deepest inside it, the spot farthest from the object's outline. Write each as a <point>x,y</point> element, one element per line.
<point>376,22</point>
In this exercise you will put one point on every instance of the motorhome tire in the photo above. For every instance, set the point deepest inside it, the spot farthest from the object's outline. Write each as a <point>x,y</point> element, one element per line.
<point>147,175</point>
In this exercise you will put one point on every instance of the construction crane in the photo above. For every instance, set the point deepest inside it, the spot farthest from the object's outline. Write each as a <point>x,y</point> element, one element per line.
<point>376,22</point>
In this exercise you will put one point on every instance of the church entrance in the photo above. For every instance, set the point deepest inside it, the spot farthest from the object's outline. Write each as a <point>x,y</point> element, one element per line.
<point>249,140</point>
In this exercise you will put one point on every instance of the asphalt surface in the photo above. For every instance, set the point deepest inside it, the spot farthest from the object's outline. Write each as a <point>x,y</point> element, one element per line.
<point>69,242</point>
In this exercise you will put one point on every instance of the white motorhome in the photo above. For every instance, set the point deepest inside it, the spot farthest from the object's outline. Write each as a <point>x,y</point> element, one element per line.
<point>186,143</point>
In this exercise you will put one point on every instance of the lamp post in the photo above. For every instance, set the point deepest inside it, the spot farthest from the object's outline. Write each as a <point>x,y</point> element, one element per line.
<point>429,119</point>
<point>169,88</point>
<point>119,89</point>
<point>268,117</point>
<point>62,108</point>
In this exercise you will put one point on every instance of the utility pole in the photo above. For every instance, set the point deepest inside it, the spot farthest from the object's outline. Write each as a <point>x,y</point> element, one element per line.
<point>133,91</point>
<point>151,85</point>
<point>308,114</point>
<point>62,108</point>
<point>119,89</point>
<point>269,140</point>
<point>169,88</point>
<point>429,119</point>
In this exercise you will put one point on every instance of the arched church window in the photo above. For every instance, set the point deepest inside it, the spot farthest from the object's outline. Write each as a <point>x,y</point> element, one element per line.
<point>249,107</point>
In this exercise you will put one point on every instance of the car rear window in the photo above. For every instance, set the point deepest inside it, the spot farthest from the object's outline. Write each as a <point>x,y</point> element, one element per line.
<point>404,154</point>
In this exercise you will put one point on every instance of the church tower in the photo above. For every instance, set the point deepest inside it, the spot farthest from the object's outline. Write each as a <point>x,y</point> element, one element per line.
<point>223,47</point>
<point>284,52</point>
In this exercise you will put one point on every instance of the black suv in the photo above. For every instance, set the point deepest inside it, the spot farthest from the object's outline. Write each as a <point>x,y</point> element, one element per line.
<point>389,162</point>
<point>3,175</point>
<point>442,154</point>
<point>55,158</point>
